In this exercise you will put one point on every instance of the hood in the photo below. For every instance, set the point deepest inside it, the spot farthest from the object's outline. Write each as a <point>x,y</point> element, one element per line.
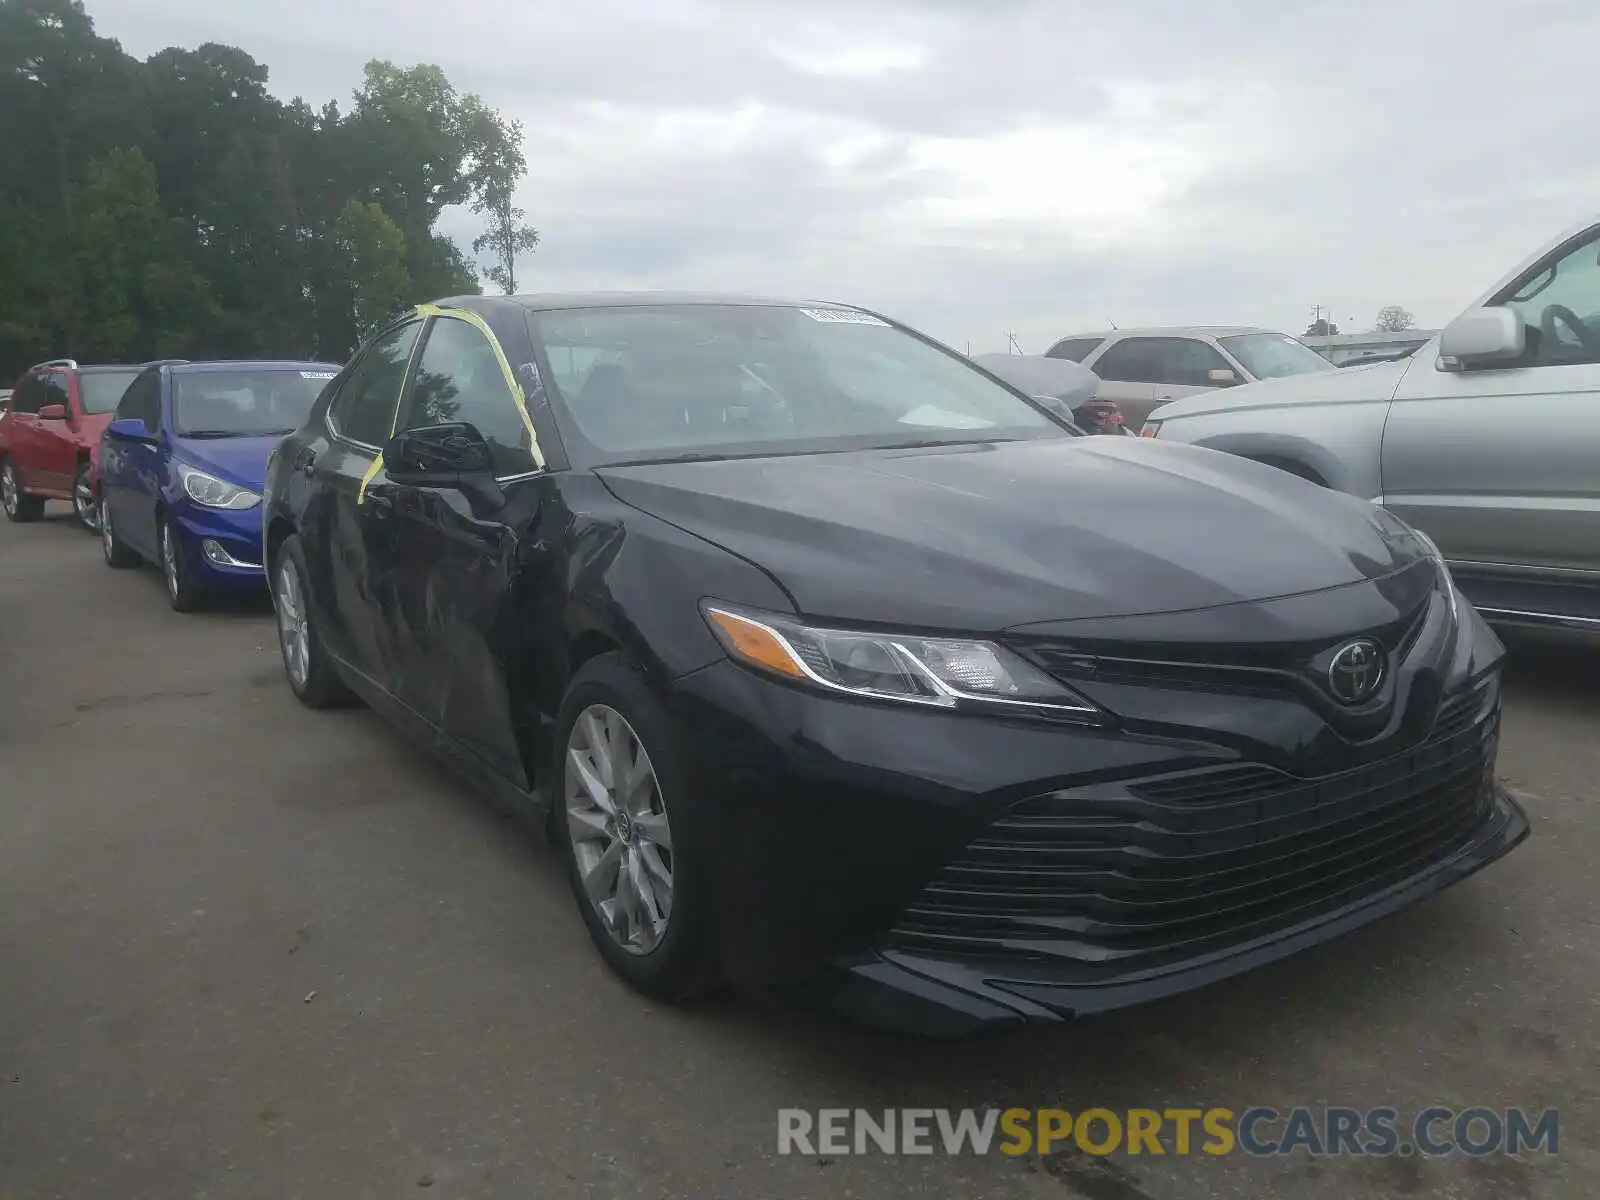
<point>989,536</point>
<point>1375,382</point>
<point>1038,375</point>
<point>239,460</point>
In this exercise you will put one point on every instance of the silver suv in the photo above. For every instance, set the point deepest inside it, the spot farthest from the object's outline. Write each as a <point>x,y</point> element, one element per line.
<point>1142,368</point>
<point>1487,438</point>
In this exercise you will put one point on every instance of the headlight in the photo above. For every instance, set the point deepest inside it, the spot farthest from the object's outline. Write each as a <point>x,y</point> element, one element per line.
<point>216,493</point>
<point>941,672</point>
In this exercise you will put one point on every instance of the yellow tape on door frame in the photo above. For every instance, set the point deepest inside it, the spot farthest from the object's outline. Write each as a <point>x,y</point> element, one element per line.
<point>482,326</point>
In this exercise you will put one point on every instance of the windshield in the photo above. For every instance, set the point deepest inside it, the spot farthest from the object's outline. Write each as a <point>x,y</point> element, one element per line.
<point>253,403</point>
<point>1274,355</point>
<point>101,391</point>
<point>712,380</point>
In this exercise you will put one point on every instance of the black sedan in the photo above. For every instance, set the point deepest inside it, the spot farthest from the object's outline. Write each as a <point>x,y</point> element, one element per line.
<point>838,667</point>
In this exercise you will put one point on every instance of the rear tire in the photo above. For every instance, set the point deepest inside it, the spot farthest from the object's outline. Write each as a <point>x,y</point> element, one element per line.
<point>313,676</point>
<point>116,551</point>
<point>609,705</point>
<point>19,506</point>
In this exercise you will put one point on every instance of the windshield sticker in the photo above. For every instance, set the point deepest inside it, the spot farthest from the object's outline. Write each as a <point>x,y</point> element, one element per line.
<point>843,316</point>
<point>318,374</point>
<point>927,416</point>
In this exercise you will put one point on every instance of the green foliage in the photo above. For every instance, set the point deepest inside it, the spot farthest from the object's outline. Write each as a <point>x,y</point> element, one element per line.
<point>508,235</point>
<point>176,207</point>
<point>371,249</point>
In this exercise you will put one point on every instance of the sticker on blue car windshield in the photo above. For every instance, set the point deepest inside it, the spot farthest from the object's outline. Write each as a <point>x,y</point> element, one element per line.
<point>843,316</point>
<point>318,374</point>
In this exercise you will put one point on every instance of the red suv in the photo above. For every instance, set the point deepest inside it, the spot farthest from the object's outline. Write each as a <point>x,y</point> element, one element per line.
<point>50,436</point>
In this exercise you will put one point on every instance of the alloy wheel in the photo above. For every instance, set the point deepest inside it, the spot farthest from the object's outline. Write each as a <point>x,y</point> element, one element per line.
<point>169,561</point>
<point>83,503</point>
<point>107,543</point>
<point>293,631</point>
<point>8,490</point>
<point>617,824</point>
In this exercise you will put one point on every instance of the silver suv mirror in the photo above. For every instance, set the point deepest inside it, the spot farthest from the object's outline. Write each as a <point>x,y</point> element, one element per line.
<point>1482,337</point>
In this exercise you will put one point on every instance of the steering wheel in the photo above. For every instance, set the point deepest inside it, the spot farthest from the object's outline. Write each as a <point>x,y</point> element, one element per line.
<point>1553,313</point>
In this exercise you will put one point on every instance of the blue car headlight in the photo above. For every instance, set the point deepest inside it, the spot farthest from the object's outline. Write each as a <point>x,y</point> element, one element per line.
<point>211,492</point>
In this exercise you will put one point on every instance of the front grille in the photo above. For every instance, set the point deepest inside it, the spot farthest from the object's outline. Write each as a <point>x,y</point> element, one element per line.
<point>1256,669</point>
<point>1111,875</point>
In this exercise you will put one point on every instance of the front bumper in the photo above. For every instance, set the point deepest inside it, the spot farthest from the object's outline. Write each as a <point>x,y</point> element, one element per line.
<point>949,997</point>
<point>222,547</point>
<point>861,851</point>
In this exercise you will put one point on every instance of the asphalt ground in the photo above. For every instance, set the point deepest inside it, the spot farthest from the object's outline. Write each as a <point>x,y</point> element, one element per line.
<point>249,950</point>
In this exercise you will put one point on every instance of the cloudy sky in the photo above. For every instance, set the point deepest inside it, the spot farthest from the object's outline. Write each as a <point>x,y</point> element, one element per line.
<point>979,168</point>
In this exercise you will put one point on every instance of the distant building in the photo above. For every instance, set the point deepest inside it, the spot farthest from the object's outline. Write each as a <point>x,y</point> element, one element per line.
<point>1342,347</point>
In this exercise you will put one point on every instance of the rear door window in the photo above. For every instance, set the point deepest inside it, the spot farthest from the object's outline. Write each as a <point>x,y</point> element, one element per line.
<point>1074,349</point>
<point>1132,360</point>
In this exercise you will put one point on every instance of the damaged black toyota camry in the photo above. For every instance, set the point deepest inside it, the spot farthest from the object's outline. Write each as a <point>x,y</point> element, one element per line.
<point>837,667</point>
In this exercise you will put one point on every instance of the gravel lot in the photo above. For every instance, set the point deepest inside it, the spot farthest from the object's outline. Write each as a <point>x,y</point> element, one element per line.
<point>247,950</point>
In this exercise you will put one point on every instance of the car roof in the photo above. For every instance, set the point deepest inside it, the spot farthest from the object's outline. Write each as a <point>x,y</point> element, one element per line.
<point>1168,331</point>
<point>552,301</point>
<point>251,364</point>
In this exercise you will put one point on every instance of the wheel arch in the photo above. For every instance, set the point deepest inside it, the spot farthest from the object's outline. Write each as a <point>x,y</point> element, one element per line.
<point>279,530</point>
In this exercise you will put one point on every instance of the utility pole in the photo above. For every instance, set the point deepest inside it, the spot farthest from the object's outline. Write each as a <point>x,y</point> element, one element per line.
<point>1012,347</point>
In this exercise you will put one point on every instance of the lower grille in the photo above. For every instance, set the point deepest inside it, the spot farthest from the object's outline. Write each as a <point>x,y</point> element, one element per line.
<point>1158,868</point>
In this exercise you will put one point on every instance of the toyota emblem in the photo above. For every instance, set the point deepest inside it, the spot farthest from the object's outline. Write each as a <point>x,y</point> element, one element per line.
<point>1356,671</point>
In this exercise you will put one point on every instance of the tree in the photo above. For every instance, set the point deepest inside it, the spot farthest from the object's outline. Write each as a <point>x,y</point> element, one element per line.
<point>373,250</point>
<point>1321,327</point>
<point>176,206</point>
<point>1394,319</point>
<point>508,235</point>
<point>136,295</point>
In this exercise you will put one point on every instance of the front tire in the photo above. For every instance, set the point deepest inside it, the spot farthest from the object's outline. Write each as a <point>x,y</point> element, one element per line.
<point>313,677</point>
<point>83,502</point>
<point>622,794</point>
<point>182,591</point>
<point>116,551</point>
<point>19,506</point>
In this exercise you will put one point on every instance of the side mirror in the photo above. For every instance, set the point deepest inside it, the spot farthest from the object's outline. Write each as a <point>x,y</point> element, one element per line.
<point>455,455</point>
<point>1482,337</point>
<point>53,412</point>
<point>1222,377</point>
<point>129,429</point>
<point>1055,406</point>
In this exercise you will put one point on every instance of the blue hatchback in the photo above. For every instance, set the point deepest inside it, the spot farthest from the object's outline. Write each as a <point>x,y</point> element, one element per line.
<point>182,463</point>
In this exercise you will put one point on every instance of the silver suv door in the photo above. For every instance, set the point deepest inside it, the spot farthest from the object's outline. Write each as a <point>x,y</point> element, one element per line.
<point>1499,464</point>
<point>1184,366</point>
<point>1127,369</point>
